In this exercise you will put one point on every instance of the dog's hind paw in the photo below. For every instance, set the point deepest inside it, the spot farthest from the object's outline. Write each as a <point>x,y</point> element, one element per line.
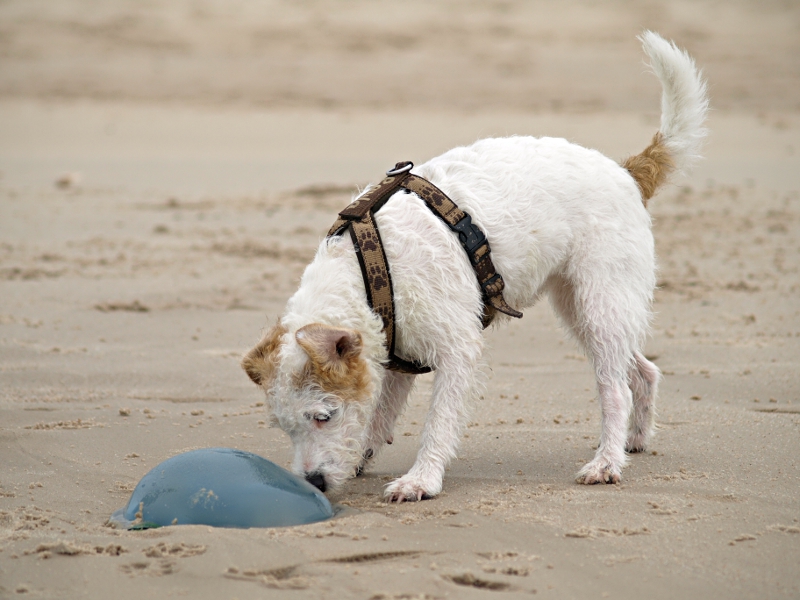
<point>635,448</point>
<point>637,442</point>
<point>599,472</point>
<point>406,489</point>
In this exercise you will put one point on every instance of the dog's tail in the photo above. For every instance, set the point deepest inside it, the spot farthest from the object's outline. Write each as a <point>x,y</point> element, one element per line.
<point>684,105</point>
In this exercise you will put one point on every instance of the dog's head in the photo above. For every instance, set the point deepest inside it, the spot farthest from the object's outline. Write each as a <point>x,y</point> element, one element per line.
<point>321,390</point>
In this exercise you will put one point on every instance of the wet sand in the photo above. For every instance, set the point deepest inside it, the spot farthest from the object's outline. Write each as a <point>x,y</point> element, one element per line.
<point>167,172</point>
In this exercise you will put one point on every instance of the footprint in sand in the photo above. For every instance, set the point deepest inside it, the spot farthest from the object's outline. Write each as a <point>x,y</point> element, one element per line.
<point>166,557</point>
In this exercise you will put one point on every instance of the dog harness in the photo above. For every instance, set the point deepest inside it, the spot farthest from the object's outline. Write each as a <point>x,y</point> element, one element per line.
<point>358,218</point>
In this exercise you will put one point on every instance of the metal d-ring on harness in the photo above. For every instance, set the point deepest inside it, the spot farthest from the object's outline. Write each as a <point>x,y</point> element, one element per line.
<point>358,217</point>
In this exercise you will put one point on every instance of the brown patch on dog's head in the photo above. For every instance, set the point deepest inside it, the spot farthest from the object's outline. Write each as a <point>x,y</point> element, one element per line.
<point>651,167</point>
<point>261,362</point>
<point>335,362</point>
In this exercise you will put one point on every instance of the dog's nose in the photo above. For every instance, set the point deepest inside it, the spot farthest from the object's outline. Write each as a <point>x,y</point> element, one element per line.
<point>317,480</point>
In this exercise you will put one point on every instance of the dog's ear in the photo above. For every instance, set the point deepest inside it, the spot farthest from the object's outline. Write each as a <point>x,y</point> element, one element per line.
<point>330,347</point>
<point>261,362</point>
<point>336,364</point>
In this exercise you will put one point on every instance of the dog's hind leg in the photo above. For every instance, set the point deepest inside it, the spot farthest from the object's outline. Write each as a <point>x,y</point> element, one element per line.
<point>644,378</point>
<point>394,394</point>
<point>599,321</point>
<point>611,362</point>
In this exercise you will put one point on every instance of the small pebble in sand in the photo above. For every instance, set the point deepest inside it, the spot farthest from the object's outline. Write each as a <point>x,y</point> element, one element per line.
<point>68,180</point>
<point>125,412</point>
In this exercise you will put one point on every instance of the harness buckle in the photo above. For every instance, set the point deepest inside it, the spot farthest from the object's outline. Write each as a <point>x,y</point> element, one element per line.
<point>493,286</point>
<point>471,236</point>
<point>400,168</point>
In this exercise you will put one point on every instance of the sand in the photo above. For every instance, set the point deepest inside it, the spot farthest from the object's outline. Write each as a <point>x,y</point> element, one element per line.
<point>168,168</point>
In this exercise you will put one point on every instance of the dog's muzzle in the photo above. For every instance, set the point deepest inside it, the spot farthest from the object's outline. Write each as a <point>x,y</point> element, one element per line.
<point>317,480</point>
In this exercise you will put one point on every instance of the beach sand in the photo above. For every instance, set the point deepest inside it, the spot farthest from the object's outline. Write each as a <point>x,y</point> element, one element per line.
<point>167,170</point>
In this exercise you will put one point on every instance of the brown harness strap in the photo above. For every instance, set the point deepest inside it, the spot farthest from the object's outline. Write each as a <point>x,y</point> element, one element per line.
<point>474,242</point>
<point>375,268</point>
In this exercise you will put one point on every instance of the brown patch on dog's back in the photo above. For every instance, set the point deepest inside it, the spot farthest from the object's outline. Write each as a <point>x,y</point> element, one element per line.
<point>335,362</point>
<point>261,362</point>
<point>651,167</point>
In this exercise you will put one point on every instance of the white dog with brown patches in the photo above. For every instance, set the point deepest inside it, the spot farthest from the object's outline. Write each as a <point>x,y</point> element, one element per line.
<point>562,220</point>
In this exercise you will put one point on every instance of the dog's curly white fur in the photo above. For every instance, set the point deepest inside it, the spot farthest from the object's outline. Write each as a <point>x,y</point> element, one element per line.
<point>563,220</point>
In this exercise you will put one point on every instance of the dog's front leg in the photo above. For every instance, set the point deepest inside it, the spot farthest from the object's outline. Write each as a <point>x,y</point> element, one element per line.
<point>394,394</point>
<point>453,385</point>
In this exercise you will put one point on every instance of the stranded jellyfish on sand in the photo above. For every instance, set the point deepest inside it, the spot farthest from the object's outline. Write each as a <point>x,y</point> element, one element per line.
<point>221,487</point>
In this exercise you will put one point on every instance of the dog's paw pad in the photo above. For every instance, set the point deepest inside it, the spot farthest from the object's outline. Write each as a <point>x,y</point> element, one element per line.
<point>602,472</point>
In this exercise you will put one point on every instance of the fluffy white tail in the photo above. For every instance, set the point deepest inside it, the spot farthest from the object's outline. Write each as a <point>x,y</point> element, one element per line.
<point>684,106</point>
<point>684,100</point>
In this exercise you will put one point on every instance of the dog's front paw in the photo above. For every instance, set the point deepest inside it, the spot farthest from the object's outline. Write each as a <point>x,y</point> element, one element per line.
<point>599,471</point>
<point>408,489</point>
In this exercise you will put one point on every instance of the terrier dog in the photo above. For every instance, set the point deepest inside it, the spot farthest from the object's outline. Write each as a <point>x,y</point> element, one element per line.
<point>562,220</point>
